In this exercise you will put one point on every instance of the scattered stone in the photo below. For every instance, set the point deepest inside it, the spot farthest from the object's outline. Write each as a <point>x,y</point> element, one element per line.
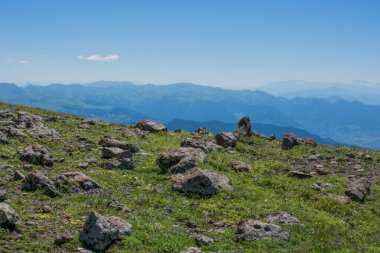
<point>226,139</point>
<point>240,166</point>
<point>191,250</point>
<point>7,167</point>
<point>339,198</point>
<point>135,133</point>
<point>112,143</point>
<point>285,218</point>
<point>368,158</point>
<point>319,186</point>
<point>27,166</point>
<point>3,138</point>
<point>299,174</point>
<point>321,170</point>
<point>181,159</point>
<point>82,180</point>
<point>46,209</point>
<point>99,232</point>
<point>252,230</point>
<point>201,182</point>
<point>205,145</point>
<point>45,132</point>
<point>358,189</point>
<point>151,126</point>
<point>3,195</point>
<point>124,163</point>
<point>290,140</point>
<point>63,238</point>
<point>18,175</point>
<point>8,216</point>
<point>36,154</point>
<point>201,130</point>
<point>83,165</point>
<point>244,127</point>
<point>38,181</point>
<point>317,157</point>
<point>91,160</point>
<point>108,153</point>
<point>202,240</point>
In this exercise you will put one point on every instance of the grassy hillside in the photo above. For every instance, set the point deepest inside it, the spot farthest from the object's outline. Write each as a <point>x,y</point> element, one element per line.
<point>164,220</point>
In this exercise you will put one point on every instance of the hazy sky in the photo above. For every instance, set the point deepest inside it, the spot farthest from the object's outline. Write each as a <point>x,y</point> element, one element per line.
<point>226,43</point>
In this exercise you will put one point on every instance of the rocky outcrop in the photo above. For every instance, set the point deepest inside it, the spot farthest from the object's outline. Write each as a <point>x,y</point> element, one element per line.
<point>99,232</point>
<point>358,189</point>
<point>8,216</point>
<point>36,154</point>
<point>151,126</point>
<point>181,159</point>
<point>201,182</point>
<point>252,230</point>
<point>38,181</point>
<point>205,145</point>
<point>244,127</point>
<point>226,139</point>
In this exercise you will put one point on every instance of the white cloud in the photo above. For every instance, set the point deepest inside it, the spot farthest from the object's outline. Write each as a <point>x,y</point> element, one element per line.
<point>96,57</point>
<point>23,62</point>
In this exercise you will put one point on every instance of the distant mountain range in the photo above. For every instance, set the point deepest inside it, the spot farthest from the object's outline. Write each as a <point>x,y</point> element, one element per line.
<point>365,92</point>
<point>344,121</point>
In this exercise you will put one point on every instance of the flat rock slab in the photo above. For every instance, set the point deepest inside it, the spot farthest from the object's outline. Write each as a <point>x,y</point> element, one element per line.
<point>252,230</point>
<point>99,232</point>
<point>201,182</point>
<point>151,126</point>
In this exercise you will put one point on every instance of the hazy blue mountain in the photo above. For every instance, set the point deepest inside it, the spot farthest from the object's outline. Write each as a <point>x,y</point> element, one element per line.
<point>215,126</point>
<point>365,92</point>
<point>344,121</point>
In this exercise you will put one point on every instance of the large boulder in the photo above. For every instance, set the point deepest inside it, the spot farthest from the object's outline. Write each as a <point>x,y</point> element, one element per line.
<point>205,145</point>
<point>358,189</point>
<point>244,127</point>
<point>36,154</point>
<point>252,230</point>
<point>112,143</point>
<point>38,181</point>
<point>109,152</point>
<point>180,159</point>
<point>8,216</point>
<point>201,182</point>
<point>99,232</point>
<point>226,139</point>
<point>151,126</point>
<point>82,180</point>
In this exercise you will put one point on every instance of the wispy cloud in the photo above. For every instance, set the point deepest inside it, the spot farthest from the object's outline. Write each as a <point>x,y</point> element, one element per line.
<point>97,57</point>
<point>23,62</point>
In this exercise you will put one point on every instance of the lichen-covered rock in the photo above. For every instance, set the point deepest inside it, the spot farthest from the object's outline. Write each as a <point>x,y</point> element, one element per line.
<point>252,230</point>
<point>240,166</point>
<point>36,154</point>
<point>181,159</point>
<point>358,189</point>
<point>82,180</point>
<point>99,232</point>
<point>45,132</point>
<point>38,181</point>
<point>202,240</point>
<point>201,182</point>
<point>226,139</point>
<point>119,153</point>
<point>8,216</point>
<point>151,126</point>
<point>285,218</point>
<point>205,145</point>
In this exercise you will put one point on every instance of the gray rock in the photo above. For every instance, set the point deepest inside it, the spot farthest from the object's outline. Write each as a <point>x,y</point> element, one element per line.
<point>36,154</point>
<point>135,133</point>
<point>205,145</point>
<point>201,130</point>
<point>112,143</point>
<point>181,159</point>
<point>151,126</point>
<point>38,181</point>
<point>8,216</point>
<point>124,163</point>
<point>99,232</point>
<point>240,166</point>
<point>45,132</point>
<point>191,250</point>
<point>63,238</point>
<point>3,138</point>
<point>202,240</point>
<point>81,180</point>
<point>358,189</point>
<point>299,174</point>
<point>18,175</point>
<point>321,170</point>
<point>3,195</point>
<point>226,139</point>
<point>201,182</point>
<point>284,218</point>
<point>252,230</point>
<point>317,157</point>
<point>119,153</point>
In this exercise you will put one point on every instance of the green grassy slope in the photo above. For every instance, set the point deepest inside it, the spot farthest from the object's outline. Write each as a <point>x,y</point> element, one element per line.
<point>159,215</point>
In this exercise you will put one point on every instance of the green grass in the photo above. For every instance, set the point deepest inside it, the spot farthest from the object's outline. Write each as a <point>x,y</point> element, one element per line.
<point>159,214</point>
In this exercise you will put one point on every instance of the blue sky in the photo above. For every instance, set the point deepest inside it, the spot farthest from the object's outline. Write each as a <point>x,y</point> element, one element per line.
<point>235,44</point>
